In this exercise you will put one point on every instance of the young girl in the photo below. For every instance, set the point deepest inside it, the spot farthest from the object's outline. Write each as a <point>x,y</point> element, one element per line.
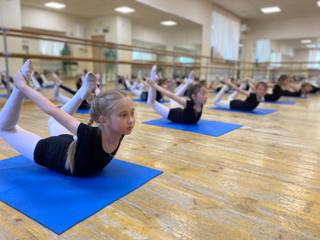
<point>139,88</point>
<point>186,111</point>
<point>74,148</point>
<point>277,90</point>
<point>302,91</point>
<point>64,99</point>
<point>250,103</point>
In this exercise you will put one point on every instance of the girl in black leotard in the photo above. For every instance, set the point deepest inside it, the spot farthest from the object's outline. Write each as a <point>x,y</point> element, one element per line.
<point>74,148</point>
<point>187,111</point>
<point>250,103</point>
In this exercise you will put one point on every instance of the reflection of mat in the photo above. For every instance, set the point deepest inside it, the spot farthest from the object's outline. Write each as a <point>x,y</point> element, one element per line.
<point>59,202</point>
<point>206,127</point>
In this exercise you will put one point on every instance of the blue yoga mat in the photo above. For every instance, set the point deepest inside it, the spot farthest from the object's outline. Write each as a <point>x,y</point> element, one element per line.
<point>81,111</point>
<point>257,111</point>
<point>59,202</point>
<point>139,100</point>
<point>284,102</point>
<point>206,127</point>
<point>301,97</point>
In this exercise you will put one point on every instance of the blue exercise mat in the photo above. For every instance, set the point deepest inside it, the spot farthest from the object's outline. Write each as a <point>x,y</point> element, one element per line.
<point>83,111</point>
<point>257,111</point>
<point>301,97</point>
<point>80,111</point>
<point>59,202</point>
<point>139,100</point>
<point>206,127</point>
<point>283,102</point>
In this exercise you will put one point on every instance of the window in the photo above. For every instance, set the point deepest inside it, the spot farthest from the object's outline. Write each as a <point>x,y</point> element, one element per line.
<point>143,56</point>
<point>314,56</point>
<point>51,48</point>
<point>263,51</point>
<point>225,35</point>
<point>185,60</point>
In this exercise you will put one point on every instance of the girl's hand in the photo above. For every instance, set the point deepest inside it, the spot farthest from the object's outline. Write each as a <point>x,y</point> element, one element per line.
<point>151,83</point>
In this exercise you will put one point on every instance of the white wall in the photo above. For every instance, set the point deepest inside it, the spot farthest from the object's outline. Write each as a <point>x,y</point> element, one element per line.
<point>10,17</point>
<point>285,29</point>
<point>50,20</point>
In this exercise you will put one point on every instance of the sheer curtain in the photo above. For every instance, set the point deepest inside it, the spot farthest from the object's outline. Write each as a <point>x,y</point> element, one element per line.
<point>314,56</point>
<point>275,59</point>
<point>263,50</point>
<point>225,37</point>
<point>51,48</point>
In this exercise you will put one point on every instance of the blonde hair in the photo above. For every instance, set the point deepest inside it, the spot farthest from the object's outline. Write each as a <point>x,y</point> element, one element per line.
<point>102,105</point>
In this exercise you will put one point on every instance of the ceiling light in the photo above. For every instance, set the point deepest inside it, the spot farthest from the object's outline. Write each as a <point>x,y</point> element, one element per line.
<point>55,5</point>
<point>268,10</point>
<point>311,46</point>
<point>168,23</point>
<point>306,41</point>
<point>318,3</point>
<point>124,9</point>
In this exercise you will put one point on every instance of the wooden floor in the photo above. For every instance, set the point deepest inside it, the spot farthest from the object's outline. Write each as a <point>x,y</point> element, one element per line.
<point>258,182</point>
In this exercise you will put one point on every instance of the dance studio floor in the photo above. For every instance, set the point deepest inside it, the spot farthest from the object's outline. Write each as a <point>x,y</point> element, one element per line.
<point>261,181</point>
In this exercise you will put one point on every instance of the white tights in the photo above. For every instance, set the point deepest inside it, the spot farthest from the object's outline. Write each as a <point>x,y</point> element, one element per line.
<point>24,141</point>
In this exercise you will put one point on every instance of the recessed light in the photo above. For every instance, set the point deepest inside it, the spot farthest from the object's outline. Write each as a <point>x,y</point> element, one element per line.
<point>318,3</point>
<point>168,23</point>
<point>306,41</point>
<point>268,10</point>
<point>311,46</point>
<point>55,5</point>
<point>124,9</point>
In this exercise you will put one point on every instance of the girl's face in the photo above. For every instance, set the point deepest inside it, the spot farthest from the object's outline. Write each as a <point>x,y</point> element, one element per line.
<point>122,118</point>
<point>306,89</point>
<point>202,96</point>
<point>261,91</point>
<point>165,85</point>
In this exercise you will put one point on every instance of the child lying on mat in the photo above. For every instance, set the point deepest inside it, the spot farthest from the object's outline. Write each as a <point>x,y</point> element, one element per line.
<point>74,148</point>
<point>185,111</point>
<point>254,97</point>
<point>140,88</point>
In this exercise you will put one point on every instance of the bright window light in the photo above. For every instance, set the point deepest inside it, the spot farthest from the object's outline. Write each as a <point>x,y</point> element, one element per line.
<point>168,23</point>
<point>268,10</point>
<point>306,41</point>
<point>55,5</point>
<point>124,9</point>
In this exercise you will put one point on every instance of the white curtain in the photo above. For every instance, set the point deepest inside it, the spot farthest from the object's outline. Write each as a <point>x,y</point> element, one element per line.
<point>314,56</point>
<point>51,48</point>
<point>225,37</point>
<point>275,59</point>
<point>263,50</point>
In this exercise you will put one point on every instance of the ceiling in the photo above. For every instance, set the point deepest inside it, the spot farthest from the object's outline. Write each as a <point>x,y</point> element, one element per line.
<point>250,9</point>
<point>143,14</point>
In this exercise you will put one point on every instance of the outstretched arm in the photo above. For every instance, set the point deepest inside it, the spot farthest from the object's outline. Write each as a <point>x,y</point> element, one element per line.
<point>168,94</point>
<point>236,88</point>
<point>45,105</point>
